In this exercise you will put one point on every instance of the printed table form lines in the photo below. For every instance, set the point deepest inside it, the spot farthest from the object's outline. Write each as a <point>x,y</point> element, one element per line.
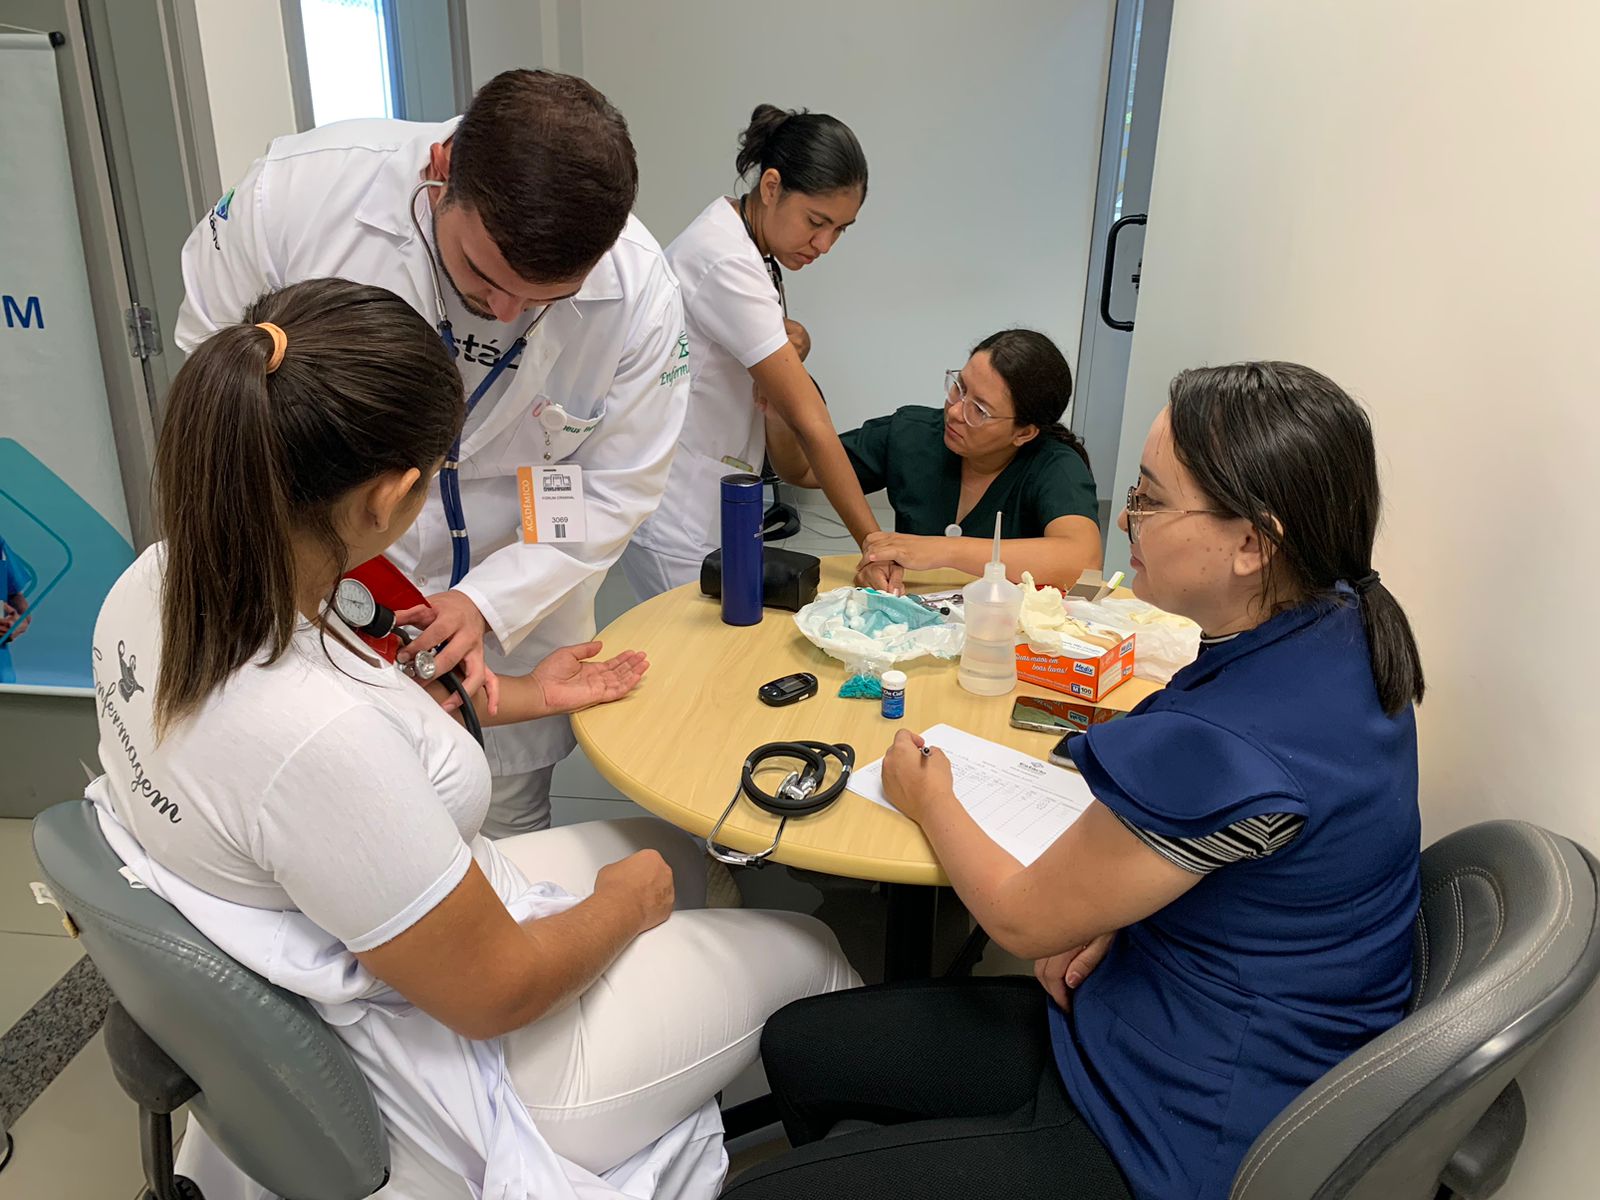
<point>1022,803</point>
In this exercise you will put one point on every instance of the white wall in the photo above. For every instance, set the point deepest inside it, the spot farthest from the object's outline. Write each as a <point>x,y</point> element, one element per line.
<point>981,124</point>
<point>247,79</point>
<point>1401,196</point>
<point>502,34</point>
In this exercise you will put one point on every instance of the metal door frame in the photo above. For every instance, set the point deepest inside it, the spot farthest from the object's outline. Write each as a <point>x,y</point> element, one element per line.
<point>1140,33</point>
<point>294,35</point>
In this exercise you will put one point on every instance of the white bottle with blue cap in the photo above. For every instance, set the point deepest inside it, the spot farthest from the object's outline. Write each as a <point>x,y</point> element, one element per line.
<point>991,606</point>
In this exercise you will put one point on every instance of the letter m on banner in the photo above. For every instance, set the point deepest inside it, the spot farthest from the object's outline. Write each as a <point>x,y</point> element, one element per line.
<point>26,315</point>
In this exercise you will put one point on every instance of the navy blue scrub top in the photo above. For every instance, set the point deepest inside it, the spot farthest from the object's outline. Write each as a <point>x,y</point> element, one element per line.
<point>905,453</point>
<point>1206,1019</point>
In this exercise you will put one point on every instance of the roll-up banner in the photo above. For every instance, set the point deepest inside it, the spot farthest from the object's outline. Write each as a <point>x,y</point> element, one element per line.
<point>64,532</point>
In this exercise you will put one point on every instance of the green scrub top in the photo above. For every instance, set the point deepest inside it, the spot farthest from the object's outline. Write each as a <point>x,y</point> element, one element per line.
<point>906,454</point>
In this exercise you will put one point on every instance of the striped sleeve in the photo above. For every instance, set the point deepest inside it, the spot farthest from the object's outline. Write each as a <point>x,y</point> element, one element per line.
<point>1253,837</point>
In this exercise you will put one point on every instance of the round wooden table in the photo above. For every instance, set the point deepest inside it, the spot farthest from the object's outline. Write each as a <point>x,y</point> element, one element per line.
<point>677,744</point>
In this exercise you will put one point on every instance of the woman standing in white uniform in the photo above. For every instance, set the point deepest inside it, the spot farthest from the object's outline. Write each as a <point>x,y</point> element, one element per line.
<point>810,182</point>
<point>255,750</point>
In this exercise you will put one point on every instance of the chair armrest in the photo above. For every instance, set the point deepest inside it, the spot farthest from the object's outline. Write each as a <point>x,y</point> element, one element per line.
<point>1480,1165</point>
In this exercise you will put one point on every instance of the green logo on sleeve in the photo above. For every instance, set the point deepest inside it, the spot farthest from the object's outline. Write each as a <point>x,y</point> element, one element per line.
<point>682,369</point>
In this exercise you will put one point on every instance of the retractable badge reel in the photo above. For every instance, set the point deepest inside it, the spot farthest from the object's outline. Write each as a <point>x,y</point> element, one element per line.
<point>799,795</point>
<point>551,418</point>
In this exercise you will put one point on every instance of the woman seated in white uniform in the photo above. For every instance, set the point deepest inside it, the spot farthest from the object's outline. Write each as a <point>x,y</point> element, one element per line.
<point>810,182</point>
<point>258,752</point>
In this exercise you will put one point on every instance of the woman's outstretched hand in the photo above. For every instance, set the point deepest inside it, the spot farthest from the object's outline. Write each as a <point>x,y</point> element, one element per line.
<point>570,680</point>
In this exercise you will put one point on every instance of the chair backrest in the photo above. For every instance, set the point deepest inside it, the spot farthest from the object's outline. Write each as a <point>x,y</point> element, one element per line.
<point>280,1094</point>
<point>1504,946</point>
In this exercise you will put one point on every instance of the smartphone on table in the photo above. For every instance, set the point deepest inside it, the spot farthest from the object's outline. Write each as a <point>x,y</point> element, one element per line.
<point>1070,718</point>
<point>1058,753</point>
<point>1046,714</point>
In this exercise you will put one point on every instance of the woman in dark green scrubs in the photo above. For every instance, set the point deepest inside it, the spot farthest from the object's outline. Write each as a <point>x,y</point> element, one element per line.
<point>998,445</point>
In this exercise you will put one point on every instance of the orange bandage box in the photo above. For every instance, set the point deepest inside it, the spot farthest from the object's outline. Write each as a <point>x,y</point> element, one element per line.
<point>1090,668</point>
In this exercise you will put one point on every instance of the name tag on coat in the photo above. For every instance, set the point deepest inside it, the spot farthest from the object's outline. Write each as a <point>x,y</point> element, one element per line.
<point>551,499</point>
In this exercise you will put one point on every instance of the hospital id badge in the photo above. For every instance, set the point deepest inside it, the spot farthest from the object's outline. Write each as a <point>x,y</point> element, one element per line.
<point>551,499</point>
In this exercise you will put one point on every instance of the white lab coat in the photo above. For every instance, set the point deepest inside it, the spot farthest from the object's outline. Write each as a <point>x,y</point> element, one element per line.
<point>336,202</point>
<point>457,1129</point>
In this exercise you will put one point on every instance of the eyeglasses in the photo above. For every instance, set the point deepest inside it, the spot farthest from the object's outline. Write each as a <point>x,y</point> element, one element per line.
<point>1139,508</point>
<point>972,410</point>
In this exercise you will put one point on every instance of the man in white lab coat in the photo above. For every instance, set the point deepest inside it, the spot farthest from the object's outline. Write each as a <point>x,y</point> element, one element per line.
<point>517,214</point>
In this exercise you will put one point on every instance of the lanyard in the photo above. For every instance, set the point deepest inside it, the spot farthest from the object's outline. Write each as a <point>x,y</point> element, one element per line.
<point>450,472</point>
<point>447,332</point>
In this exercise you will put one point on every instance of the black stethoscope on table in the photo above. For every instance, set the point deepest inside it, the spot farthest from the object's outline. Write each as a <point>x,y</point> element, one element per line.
<point>450,474</point>
<point>799,795</point>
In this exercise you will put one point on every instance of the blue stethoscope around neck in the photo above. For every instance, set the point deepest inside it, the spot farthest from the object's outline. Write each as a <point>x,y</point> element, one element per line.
<point>450,473</point>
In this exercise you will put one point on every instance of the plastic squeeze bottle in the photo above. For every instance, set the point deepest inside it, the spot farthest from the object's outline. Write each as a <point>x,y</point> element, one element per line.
<point>991,606</point>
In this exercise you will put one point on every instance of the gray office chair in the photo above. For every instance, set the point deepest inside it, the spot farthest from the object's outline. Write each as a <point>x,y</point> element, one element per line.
<point>1504,948</point>
<point>274,1088</point>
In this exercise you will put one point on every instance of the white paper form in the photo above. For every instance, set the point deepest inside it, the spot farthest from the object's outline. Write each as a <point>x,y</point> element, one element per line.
<point>1022,802</point>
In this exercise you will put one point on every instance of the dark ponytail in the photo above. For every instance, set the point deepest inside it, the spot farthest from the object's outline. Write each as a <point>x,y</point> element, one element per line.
<point>246,459</point>
<point>1288,450</point>
<point>813,153</point>
<point>1039,380</point>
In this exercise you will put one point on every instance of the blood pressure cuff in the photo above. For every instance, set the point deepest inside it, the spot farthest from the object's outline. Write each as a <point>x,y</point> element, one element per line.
<point>789,579</point>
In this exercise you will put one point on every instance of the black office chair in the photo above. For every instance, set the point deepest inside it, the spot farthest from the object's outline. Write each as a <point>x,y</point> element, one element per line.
<point>1505,945</point>
<point>274,1087</point>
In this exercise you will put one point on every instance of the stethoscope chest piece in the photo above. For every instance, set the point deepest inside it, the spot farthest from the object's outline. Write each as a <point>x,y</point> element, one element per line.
<point>800,794</point>
<point>423,666</point>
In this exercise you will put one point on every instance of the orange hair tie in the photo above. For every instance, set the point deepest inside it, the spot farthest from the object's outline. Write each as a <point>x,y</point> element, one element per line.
<point>280,343</point>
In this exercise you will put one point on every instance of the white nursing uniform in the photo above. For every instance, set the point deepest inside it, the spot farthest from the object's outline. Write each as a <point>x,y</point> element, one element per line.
<point>332,790</point>
<point>735,320</point>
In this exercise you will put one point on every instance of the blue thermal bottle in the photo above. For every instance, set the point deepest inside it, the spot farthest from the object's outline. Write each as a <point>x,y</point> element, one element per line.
<point>742,558</point>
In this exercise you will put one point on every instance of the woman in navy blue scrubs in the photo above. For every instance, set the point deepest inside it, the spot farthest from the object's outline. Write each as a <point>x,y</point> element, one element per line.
<point>1232,916</point>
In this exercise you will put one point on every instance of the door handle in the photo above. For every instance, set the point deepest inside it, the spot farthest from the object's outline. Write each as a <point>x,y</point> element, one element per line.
<point>1109,276</point>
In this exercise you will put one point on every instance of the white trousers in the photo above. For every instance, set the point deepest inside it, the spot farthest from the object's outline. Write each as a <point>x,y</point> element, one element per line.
<point>678,1015</point>
<point>650,572</point>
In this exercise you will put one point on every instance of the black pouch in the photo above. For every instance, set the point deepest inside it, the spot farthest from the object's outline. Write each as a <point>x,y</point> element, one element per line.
<point>789,579</point>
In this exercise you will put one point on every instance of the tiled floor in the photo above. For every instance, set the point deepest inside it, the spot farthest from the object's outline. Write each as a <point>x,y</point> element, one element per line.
<point>30,963</point>
<point>79,1139</point>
